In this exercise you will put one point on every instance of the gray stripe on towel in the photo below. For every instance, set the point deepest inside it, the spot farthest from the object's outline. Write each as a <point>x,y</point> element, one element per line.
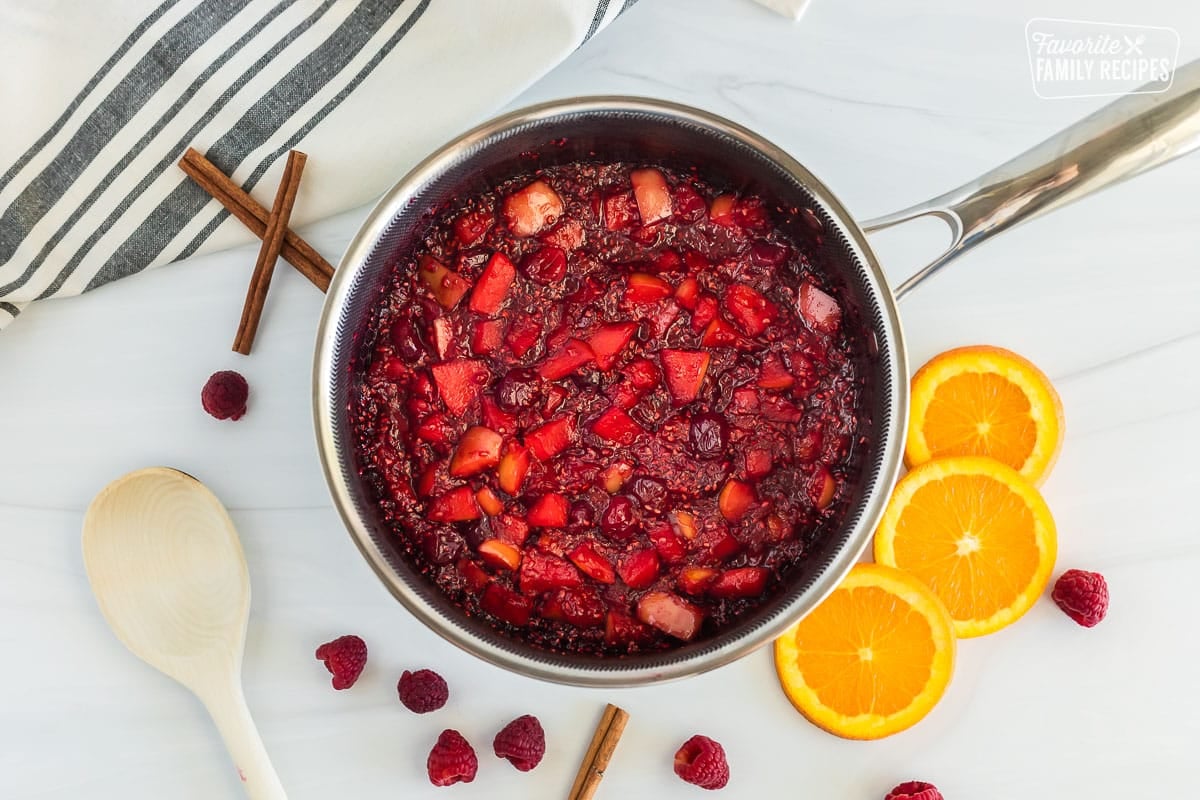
<point>109,117</point>
<point>120,52</point>
<point>262,120</point>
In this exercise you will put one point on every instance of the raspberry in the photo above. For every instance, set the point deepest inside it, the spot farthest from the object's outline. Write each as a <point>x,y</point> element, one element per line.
<point>345,658</point>
<point>1082,595</point>
<point>451,760</point>
<point>522,742</point>
<point>701,761</point>
<point>914,790</point>
<point>422,691</point>
<point>224,395</point>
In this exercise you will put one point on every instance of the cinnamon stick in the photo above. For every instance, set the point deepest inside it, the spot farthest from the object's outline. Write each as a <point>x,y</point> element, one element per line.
<point>297,252</point>
<point>268,254</point>
<point>599,753</point>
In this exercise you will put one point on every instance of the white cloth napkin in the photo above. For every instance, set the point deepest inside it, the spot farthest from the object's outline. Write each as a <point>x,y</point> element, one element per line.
<point>103,98</point>
<point>789,8</point>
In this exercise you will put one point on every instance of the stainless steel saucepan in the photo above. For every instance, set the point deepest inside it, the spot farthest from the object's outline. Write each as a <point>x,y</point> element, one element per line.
<point>1131,135</point>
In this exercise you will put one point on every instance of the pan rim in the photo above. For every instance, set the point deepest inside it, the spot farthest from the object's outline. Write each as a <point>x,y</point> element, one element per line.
<point>547,665</point>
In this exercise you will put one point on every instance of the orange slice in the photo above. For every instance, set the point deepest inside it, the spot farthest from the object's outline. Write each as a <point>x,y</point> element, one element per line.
<point>873,659</point>
<point>985,401</point>
<point>975,532</point>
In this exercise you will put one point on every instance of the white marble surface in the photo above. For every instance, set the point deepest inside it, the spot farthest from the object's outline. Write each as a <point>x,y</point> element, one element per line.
<point>889,104</point>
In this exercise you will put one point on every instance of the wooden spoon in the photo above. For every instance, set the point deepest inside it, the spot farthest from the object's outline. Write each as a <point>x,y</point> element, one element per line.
<point>166,565</point>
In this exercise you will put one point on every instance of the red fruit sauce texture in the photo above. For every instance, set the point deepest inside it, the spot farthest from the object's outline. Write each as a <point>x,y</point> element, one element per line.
<point>608,409</point>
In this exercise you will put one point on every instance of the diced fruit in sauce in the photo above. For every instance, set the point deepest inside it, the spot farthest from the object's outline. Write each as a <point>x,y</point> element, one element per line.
<point>529,210</point>
<point>819,309</point>
<point>822,488</point>
<point>616,426</point>
<point>735,500</point>
<point>447,286</point>
<point>507,605</point>
<point>492,286</point>
<point>670,547</point>
<point>541,572</point>
<point>688,203</point>
<point>614,477</point>
<point>750,310</point>
<point>475,577</point>
<point>684,372</point>
<point>685,524</point>
<point>459,382</point>
<point>725,547</point>
<point>514,466</point>
<point>500,554</point>
<point>644,288</point>
<point>592,564</point>
<point>549,511</point>
<point>548,440</point>
<point>740,582</point>
<point>487,336</point>
<point>774,375</point>
<point>567,236</point>
<point>443,337</point>
<point>620,629</point>
<point>719,333</point>
<point>639,569</point>
<point>652,194</point>
<point>522,335</point>
<point>720,210</point>
<point>687,293</point>
<point>456,505</point>
<point>622,426</point>
<point>608,341</point>
<point>706,311</point>
<point>758,462</point>
<point>496,418</point>
<point>510,528</point>
<point>696,580</point>
<point>471,226</point>
<point>620,211</point>
<point>489,501</point>
<point>580,607</point>
<point>573,355</point>
<point>478,449</point>
<point>671,614</point>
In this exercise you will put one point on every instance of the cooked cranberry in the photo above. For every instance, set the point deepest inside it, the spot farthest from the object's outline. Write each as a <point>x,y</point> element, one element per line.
<point>519,389</point>
<point>441,545</point>
<point>708,435</point>
<point>406,338</point>
<point>650,492</point>
<point>545,265</point>
<point>582,515</point>
<point>619,519</point>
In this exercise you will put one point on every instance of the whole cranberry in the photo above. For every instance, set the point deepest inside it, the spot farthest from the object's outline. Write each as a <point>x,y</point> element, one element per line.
<point>406,338</point>
<point>650,492</point>
<point>708,436</point>
<point>582,515</point>
<point>519,389</point>
<point>620,518</point>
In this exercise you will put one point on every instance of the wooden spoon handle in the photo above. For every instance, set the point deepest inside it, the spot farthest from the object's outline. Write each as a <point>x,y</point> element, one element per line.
<point>228,709</point>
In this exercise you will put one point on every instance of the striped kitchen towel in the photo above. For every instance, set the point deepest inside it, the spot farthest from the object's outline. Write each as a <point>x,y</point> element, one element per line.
<point>103,98</point>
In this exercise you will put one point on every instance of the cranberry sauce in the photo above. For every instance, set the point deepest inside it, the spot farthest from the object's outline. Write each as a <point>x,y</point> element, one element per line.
<point>606,408</point>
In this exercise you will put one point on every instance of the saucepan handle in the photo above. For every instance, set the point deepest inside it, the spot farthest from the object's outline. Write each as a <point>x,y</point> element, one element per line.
<point>1135,133</point>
